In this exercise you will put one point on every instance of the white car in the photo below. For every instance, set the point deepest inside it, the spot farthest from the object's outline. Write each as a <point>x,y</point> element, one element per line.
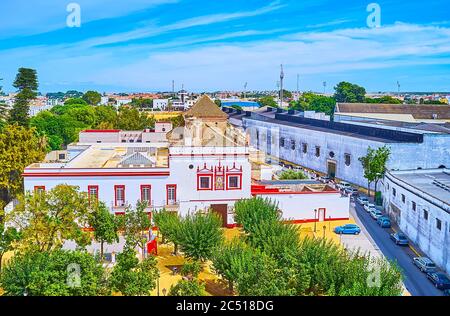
<point>369,206</point>
<point>362,200</point>
<point>344,185</point>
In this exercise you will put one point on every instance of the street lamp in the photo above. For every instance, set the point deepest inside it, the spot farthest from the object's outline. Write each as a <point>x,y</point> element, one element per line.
<point>315,220</point>
<point>164,291</point>
<point>157,285</point>
<point>329,223</point>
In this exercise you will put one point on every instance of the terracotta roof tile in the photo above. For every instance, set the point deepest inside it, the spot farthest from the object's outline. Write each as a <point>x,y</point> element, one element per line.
<point>206,108</point>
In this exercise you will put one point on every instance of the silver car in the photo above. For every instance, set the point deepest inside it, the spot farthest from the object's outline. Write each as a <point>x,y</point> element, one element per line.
<point>425,264</point>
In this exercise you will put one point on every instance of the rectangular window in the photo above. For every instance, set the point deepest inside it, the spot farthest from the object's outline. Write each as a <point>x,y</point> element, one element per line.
<point>93,193</point>
<point>146,194</point>
<point>347,159</point>
<point>62,156</point>
<point>425,214</point>
<point>438,224</point>
<point>413,205</point>
<point>394,192</point>
<point>293,144</point>
<point>205,182</point>
<point>39,189</point>
<point>317,151</point>
<point>234,182</point>
<point>305,148</point>
<point>171,194</point>
<point>282,142</point>
<point>119,192</point>
<point>403,198</point>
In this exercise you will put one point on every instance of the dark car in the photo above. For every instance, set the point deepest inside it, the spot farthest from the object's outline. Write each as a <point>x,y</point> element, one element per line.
<point>400,239</point>
<point>440,280</point>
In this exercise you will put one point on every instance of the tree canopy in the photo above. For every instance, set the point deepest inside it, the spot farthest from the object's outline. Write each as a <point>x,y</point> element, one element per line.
<point>46,219</point>
<point>26,83</point>
<point>92,97</point>
<point>347,92</point>
<point>53,273</point>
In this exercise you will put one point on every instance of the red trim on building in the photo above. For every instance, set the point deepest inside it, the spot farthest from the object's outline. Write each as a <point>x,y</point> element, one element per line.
<point>239,175</point>
<point>167,192</point>
<point>115,194</point>
<point>101,131</point>
<point>263,190</point>
<point>39,187</point>
<point>89,192</point>
<point>96,174</point>
<point>149,187</point>
<point>199,176</point>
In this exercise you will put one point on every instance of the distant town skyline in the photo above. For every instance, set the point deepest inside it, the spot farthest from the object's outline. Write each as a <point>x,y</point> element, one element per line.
<point>218,45</point>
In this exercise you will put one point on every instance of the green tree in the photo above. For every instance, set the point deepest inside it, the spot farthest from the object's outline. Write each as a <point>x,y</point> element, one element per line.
<point>286,94</point>
<point>313,102</point>
<point>4,112</point>
<point>384,100</point>
<point>105,116</point>
<point>349,93</point>
<point>137,224</point>
<point>199,234</point>
<point>47,219</point>
<point>19,147</point>
<point>267,101</point>
<point>8,237</point>
<point>92,97</point>
<point>26,83</point>
<point>250,213</point>
<point>187,288</point>
<point>54,273</point>
<point>168,224</point>
<point>105,226</point>
<point>191,270</point>
<point>292,175</point>
<point>218,102</point>
<point>130,119</point>
<point>374,164</point>
<point>131,278</point>
<point>75,100</point>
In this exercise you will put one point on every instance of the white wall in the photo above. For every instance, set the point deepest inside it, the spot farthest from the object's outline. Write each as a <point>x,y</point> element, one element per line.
<point>300,207</point>
<point>424,233</point>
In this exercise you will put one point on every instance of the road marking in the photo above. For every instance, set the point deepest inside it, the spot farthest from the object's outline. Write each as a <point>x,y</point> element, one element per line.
<point>410,247</point>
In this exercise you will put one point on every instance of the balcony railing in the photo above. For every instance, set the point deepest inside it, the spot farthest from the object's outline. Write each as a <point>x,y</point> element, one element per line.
<point>119,205</point>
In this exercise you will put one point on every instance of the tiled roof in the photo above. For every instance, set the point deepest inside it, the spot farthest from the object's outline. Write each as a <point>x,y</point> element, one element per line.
<point>417,111</point>
<point>206,108</point>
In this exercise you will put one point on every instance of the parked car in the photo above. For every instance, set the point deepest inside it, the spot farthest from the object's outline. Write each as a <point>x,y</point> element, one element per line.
<point>384,222</point>
<point>348,229</point>
<point>351,191</point>
<point>400,239</point>
<point>344,185</point>
<point>369,206</point>
<point>440,280</point>
<point>362,199</point>
<point>375,213</point>
<point>325,179</point>
<point>425,264</point>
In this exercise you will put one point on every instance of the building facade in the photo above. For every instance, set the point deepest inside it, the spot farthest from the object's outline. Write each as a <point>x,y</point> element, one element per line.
<point>419,201</point>
<point>335,148</point>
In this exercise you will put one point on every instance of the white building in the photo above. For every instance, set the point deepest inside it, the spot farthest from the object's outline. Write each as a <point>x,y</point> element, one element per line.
<point>160,104</point>
<point>419,201</point>
<point>200,166</point>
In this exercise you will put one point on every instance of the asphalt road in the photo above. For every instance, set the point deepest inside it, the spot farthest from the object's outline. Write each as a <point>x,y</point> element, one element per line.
<point>415,281</point>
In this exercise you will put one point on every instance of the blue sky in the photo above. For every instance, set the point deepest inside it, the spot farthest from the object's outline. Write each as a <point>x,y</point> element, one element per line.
<point>142,45</point>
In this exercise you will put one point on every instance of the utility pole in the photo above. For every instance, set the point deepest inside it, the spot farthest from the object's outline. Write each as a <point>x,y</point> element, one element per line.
<point>298,86</point>
<point>398,88</point>
<point>281,86</point>
<point>173,88</point>
<point>324,87</point>
<point>245,90</point>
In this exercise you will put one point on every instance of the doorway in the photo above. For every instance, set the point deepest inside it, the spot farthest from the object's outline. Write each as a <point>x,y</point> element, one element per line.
<point>331,169</point>
<point>321,217</point>
<point>222,211</point>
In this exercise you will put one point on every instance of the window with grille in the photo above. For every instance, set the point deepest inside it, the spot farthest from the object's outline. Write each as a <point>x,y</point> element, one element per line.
<point>348,159</point>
